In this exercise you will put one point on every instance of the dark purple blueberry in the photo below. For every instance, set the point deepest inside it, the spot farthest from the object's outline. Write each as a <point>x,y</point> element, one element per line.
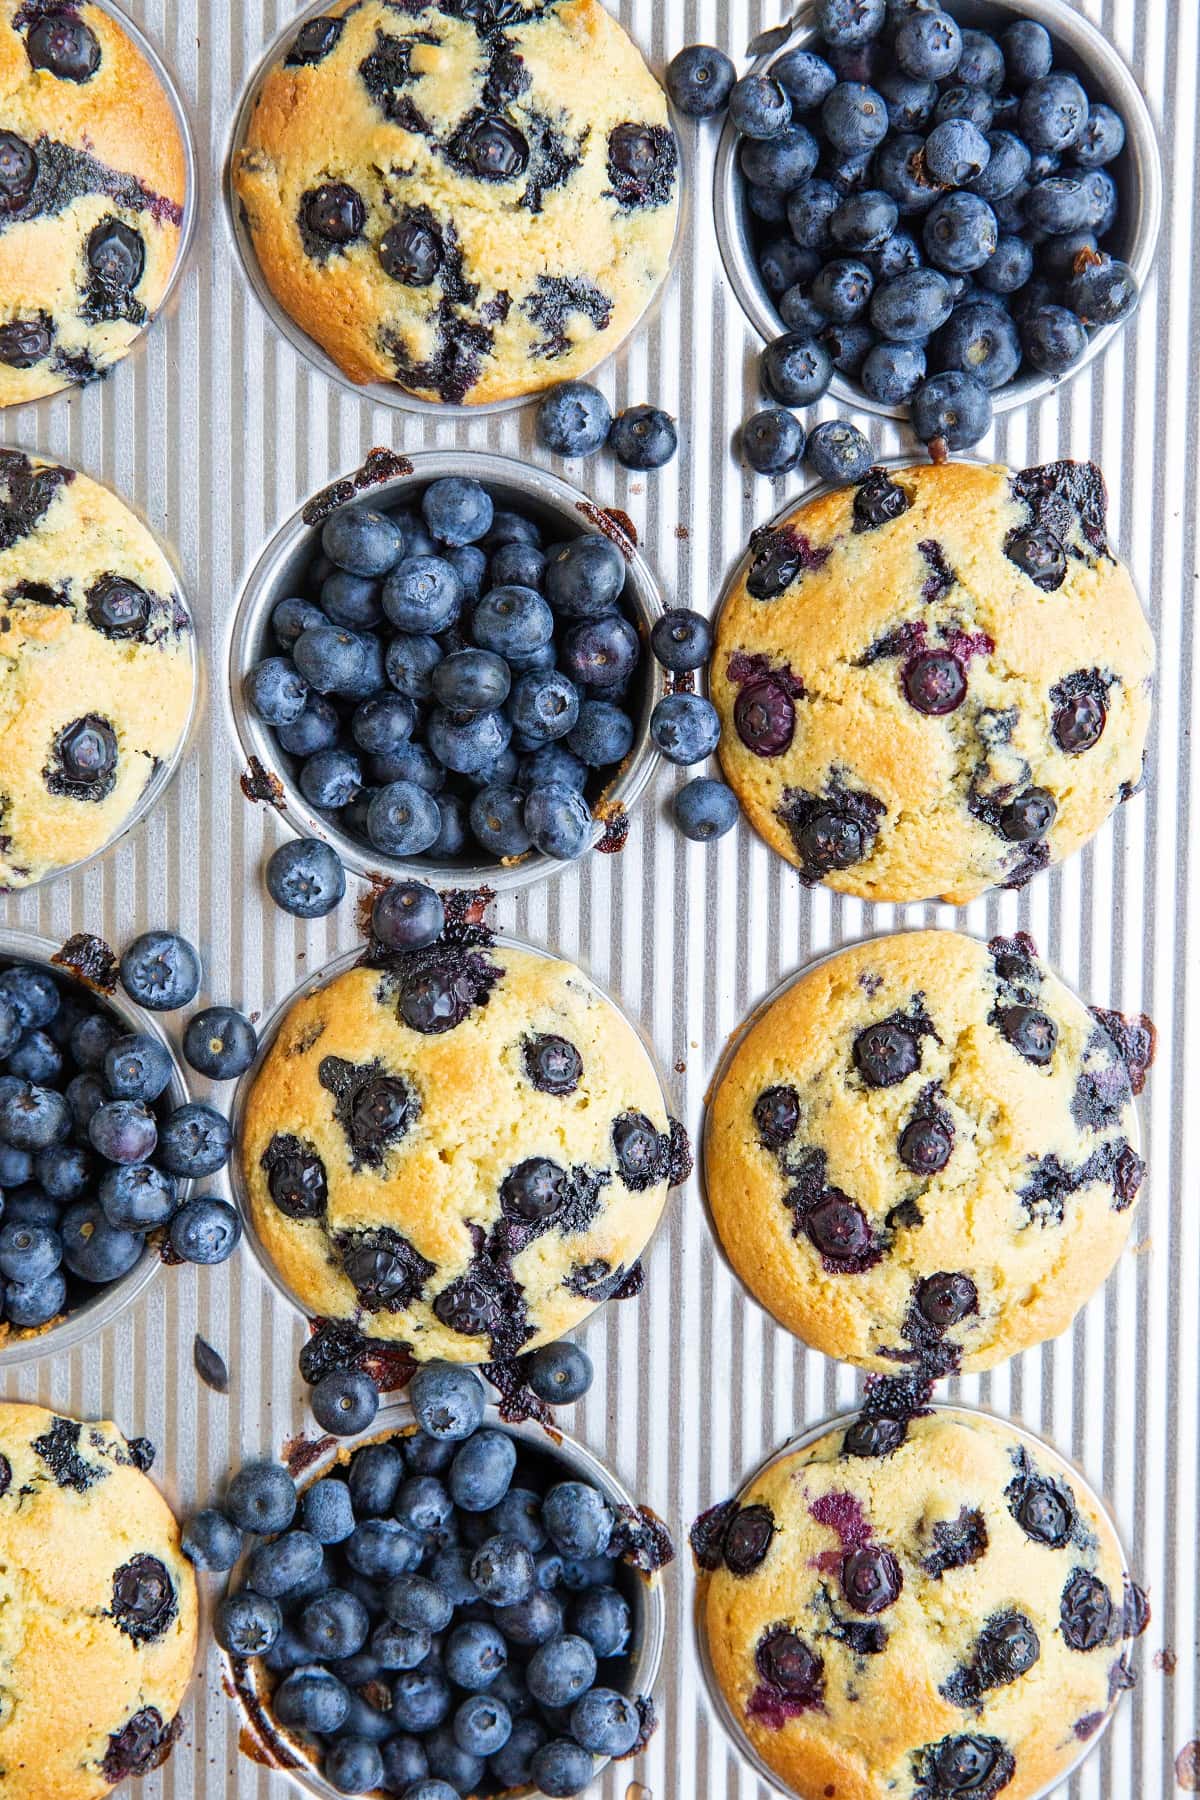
<point>886,1053</point>
<point>786,1663</point>
<point>1085,1612</point>
<point>944,1299</point>
<point>642,160</point>
<point>878,501</point>
<point>335,212</point>
<point>1042,1509</point>
<point>411,251</point>
<point>24,342</point>
<point>966,1765</point>
<point>116,254</point>
<point>874,1434</point>
<point>765,717</point>
<point>380,1111</point>
<point>1038,553</point>
<point>957,1543</point>
<point>640,1150</point>
<point>534,1189</point>
<point>552,1064</point>
<point>143,1599</point>
<point>466,1306</point>
<point>118,607</point>
<point>1029,816</point>
<point>838,1228</point>
<point>1079,722</point>
<point>925,1145</point>
<point>871,1579</point>
<point>494,150</point>
<point>87,752</point>
<point>935,683</point>
<point>313,42</point>
<point>1031,1033</point>
<point>1008,1648</point>
<point>829,840</point>
<point>295,1178</point>
<point>18,170</point>
<point>777,1115</point>
<point>64,46</point>
<point>430,1002</point>
<point>747,1539</point>
<point>142,1744</point>
<point>384,1269</point>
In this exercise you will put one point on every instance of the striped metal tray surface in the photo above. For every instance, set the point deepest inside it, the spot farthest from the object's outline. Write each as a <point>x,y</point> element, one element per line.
<point>217,430</point>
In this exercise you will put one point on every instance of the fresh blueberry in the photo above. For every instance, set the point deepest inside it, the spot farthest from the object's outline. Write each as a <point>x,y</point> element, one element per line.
<point>928,45</point>
<point>396,1646</point>
<point>577,1518</point>
<point>420,1702</point>
<point>376,1472</point>
<point>470,564</point>
<point>246,1624</point>
<point>383,724</point>
<point>601,1616</point>
<point>205,1230</point>
<point>137,1197</point>
<point>306,878</point>
<point>643,437</point>
<point>64,1171</point>
<point>407,915</point>
<point>805,78</point>
<point>953,408</point>
<point>552,765</point>
<point>362,541</point>
<point>350,600</point>
<point>758,107</point>
<point>344,1402</point>
<point>1028,53</point>
<point>574,419</point>
<point>28,1305</point>
<point>423,594</point>
<point>402,819</point>
<point>700,80</point>
<point>33,1118</point>
<point>854,118</point>
<point>482,1725</point>
<point>960,233</point>
<point>330,779</point>
<point>93,1249</point>
<point>276,691</point>
<point>900,255</point>
<point>409,663</point>
<point>558,821</point>
<point>911,308</point>
<point>457,510</point>
<point>773,441</point>
<point>559,1373</point>
<point>1053,339</point>
<point>956,152</point>
<point>1102,139</point>
<point>448,1400</point>
<point>584,579</point>
<point>1100,192</point>
<point>326,1511</point>
<point>602,734</point>
<point>1006,169</point>
<point>983,342</point>
<point>1101,293</point>
<point>409,762</point>
<point>211,1541</point>
<point>451,839</point>
<point>334,1624</point>
<point>864,222</point>
<point>605,1722</point>
<point>32,993</point>
<point>30,1206</point>
<point>194,1141</point>
<point>705,809</point>
<point>317,728</point>
<point>502,1570</point>
<point>1009,269</point>
<point>381,1549</point>
<point>797,370</point>
<point>838,451</point>
<point>469,742</point>
<point>482,1471</point>
<point>311,1699</point>
<point>519,565</point>
<point>601,653</point>
<point>845,23</point>
<point>561,1768</point>
<point>220,1043</point>
<point>781,164</point>
<point>1054,113</point>
<point>561,1671</point>
<point>91,1038</point>
<point>840,292</point>
<point>498,821</point>
<point>37,1058</point>
<point>123,1131</point>
<point>543,706</point>
<point>425,1507</point>
<point>1058,204</point>
<point>330,658</point>
<point>685,728</point>
<point>161,971</point>
<point>290,617</point>
<point>29,1253</point>
<point>892,373</point>
<point>353,1765</point>
<point>475,1653</point>
<point>512,621</point>
<point>261,1499</point>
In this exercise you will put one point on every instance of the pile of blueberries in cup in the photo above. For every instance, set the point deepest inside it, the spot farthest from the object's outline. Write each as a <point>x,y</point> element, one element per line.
<point>443,1613</point>
<point>931,205</point>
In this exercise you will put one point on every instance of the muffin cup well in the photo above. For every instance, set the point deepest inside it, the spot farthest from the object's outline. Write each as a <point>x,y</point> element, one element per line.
<point>292,1757</point>
<point>280,568</point>
<point>734,1044</point>
<point>1079,47</point>
<point>716,1696</point>
<point>111,1301</point>
<point>390,393</point>
<point>269,1031</point>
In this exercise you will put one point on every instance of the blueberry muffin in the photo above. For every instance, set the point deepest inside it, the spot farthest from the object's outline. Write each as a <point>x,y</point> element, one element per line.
<point>919,1155</point>
<point>948,1617</point>
<point>463,1151</point>
<point>471,198</point>
<point>96,666</point>
<point>935,682</point>
<point>97,1609</point>
<point>92,190</point>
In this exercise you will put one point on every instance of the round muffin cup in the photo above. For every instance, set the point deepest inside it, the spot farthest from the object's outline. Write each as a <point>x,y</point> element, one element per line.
<point>716,1697</point>
<point>269,1031</point>
<point>110,1302</point>
<point>389,393</point>
<point>162,777</point>
<point>733,1045</point>
<point>1079,47</point>
<point>292,1757</point>
<point>191,206</point>
<point>280,567</point>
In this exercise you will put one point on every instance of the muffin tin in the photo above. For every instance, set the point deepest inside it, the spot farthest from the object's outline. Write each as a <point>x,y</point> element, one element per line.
<point>217,438</point>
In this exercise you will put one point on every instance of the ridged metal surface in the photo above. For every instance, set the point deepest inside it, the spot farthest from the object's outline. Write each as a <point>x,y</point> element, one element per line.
<point>217,430</point>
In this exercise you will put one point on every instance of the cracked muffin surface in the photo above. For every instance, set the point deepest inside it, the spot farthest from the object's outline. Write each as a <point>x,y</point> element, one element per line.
<point>934,682</point>
<point>473,199</point>
<point>98,1612</point>
<point>464,1150</point>
<point>92,194</point>
<point>96,666</point>
<point>948,1617</point>
<point>921,1156</point>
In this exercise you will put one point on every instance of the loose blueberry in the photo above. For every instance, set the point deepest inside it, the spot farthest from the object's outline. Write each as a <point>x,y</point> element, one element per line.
<point>759,108</point>
<point>220,1043</point>
<point>643,437</point>
<point>700,80</point>
<point>211,1541</point>
<point>559,1373</point>
<point>195,1140</point>
<point>705,809</point>
<point>954,410</point>
<point>160,970</point>
<point>685,728</point>
<point>205,1230</point>
<point>306,878</point>
<point>839,452</point>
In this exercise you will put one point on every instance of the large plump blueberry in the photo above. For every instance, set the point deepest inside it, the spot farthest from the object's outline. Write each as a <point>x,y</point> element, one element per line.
<point>1103,292</point>
<point>601,653</point>
<point>28,1253</point>
<point>306,878</point>
<point>864,222</point>
<point>928,45</point>
<point>584,578</point>
<point>482,1471</point>
<point>123,1131</point>
<point>317,728</point>
<point>759,108</point>
<point>854,118</point>
<point>1054,112</point>
<point>1102,139</point>
<point>195,1140</point>
<point>210,1540</point>
<point>290,617</point>
<point>28,1305</point>
<point>512,622</point>
<point>311,1699</point>
<point>219,1042</point>
<point>980,340</point>
<point>681,640</point>
<point>205,1230</point>
<point>474,1655</point>
<point>36,1058</point>
<point>685,728</point>
<point>95,1250</point>
<point>344,1402</point>
<point>705,809</point>
<point>559,1373</point>
<point>643,437</point>
<point>33,1118</point>
<point>699,80</point>
<point>246,1624</point>
<point>605,1722</point>
<point>334,1624</point>
<point>407,915</point>
<point>892,373</point>
<point>912,307</point>
<point>362,541</point>
<point>402,819</point>
<point>577,1518</point>
<point>423,594</point>
<point>137,1197</point>
<point>1028,53</point>
<point>841,292</point>
<point>64,1172</point>
<point>952,409</point>
<point>470,743</point>
<point>601,1616</point>
<point>330,779</point>
<point>261,1498</point>
<point>276,691</point>
<point>327,1512</point>
<point>409,662</point>
<point>498,821</point>
<point>383,725</point>
<point>838,451</point>
<point>559,821</point>
<point>560,1672</point>
<point>773,441</point>
<point>161,971</point>
<point>574,419</point>
<point>457,509</point>
<point>543,705</point>
<point>502,1570</point>
<point>797,370</point>
<point>448,1400</point>
<point>782,163</point>
<point>960,233</point>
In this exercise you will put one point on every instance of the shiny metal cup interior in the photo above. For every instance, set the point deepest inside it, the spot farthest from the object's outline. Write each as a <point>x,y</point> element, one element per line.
<point>390,393</point>
<point>1081,48</point>
<point>293,1757</point>
<point>112,1301</point>
<point>280,572</point>
<point>269,1031</point>
<point>724,1713</point>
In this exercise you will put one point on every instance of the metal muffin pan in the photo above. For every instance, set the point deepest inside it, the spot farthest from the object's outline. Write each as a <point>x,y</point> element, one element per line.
<point>803,1441</point>
<point>280,572</point>
<point>1080,47</point>
<point>390,393</point>
<point>644,1594</point>
<point>83,1322</point>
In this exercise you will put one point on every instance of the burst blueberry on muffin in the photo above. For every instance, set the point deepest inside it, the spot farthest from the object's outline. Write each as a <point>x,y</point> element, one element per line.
<point>92,191</point>
<point>464,1150</point>
<point>919,1156</point>
<point>474,201</point>
<point>936,681</point>
<point>96,666</point>
<point>98,1621</point>
<point>940,1612</point>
